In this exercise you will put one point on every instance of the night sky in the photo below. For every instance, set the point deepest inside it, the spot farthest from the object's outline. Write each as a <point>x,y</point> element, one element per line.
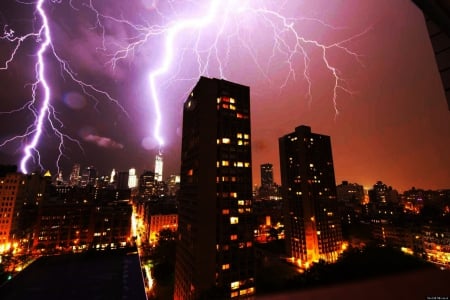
<point>393,123</point>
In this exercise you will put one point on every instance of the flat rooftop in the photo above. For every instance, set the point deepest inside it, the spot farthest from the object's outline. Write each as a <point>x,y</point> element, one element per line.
<point>425,284</point>
<point>114,274</point>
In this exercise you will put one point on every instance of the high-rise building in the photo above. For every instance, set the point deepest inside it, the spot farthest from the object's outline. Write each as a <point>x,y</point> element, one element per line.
<point>88,176</point>
<point>122,180</point>
<point>132,178</point>
<point>312,225</point>
<point>159,167</point>
<point>147,186</point>
<point>75,175</point>
<point>266,175</point>
<point>215,253</point>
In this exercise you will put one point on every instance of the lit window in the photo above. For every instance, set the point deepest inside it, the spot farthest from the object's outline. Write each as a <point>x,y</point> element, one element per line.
<point>190,172</point>
<point>239,135</point>
<point>240,164</point>
<point>240,202</point>
<point>233,195</point>
<point>311,165</point>
<point>225,163</point>
<point>234,220</point>
<point>225,266</point>
<point>232,100</point>
<point>247,164</point>
<point>246,136</point>
<point>249,244</point>
<point>232,107</point>
<point>233,237</point>
<point>225,211</point>
<point>240,143</point>
<point>225,106</point>
<point>225,140</point>
<point>234,285</point>
<point>234,294</point>
<point>218,99</point>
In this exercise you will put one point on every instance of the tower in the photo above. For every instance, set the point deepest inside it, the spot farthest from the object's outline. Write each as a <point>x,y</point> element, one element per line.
<point>215,253</point>
<point>266,175</point>
<point>75,175</point>
<point>312,226</point>
<point>159,166</point>
<point>132,178</point>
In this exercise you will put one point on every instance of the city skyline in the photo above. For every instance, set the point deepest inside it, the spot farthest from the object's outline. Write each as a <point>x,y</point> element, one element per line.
<point>394,128</point>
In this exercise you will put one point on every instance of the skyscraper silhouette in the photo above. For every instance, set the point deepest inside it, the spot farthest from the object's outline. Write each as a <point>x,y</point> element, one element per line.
<point>312,226</point>
<point>215,255</point>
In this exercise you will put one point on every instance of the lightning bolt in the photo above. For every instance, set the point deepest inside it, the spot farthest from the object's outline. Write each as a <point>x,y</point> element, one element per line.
<point>207,34</point>
<point>39,105</point>
<point>228,20</point>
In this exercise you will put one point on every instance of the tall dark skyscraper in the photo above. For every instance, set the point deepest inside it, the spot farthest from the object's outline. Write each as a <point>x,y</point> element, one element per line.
<point>215,252</point>
<point>266,175</point>
<point>312,226</point>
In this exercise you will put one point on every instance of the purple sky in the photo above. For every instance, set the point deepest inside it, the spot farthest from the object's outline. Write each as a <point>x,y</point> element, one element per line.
<point>394,126</point>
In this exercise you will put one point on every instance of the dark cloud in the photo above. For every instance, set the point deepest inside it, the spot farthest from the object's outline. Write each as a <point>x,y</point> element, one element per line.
<point>104,142</point>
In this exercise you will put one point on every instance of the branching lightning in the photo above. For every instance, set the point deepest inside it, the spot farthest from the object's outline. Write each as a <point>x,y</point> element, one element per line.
<point>207,37</point>
<point>40,103</point>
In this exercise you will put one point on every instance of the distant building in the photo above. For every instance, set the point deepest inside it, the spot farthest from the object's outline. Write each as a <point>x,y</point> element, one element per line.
<point>173,185</point>
<point>215,251</point>
<point>11,196</point>
<point>436,243</point>
<point>20,196</point>
<point>159,164</point>
<point>158,222</point>
<point>312,225</point>
<point>147,185</point>
<point>350,193</point>
<point>88,176</point>
<point>74,178</point>
<point>132,179</point>
<point>266,175</point>
<point>122,180</point>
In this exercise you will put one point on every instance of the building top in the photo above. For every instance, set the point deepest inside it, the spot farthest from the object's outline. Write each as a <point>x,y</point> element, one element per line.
<point>96,275</point>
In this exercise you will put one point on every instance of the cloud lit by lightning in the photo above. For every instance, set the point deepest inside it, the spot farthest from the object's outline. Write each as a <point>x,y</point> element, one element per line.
<point>185,40</point>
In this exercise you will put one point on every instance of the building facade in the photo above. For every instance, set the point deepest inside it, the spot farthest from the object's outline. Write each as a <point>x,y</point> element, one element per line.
<point>215,254</point>
<point>266,175</point>
<point>312,225</point>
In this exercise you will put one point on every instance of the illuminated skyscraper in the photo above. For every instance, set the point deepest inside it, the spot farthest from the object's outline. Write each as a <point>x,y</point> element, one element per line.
<point>312,226</point>
<point>75,175</point>
<point>113,176</point>
<point>159,166</point>
<point>132,178</point>
<point>215,253</point>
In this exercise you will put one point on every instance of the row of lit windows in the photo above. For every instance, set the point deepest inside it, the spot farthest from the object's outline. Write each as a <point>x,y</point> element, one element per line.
<point>226,179</point>
<point>228,141</point>
<point>226,100</point>
<point>248,291</point>
<point>240,211</point>
<point>238,164</point>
